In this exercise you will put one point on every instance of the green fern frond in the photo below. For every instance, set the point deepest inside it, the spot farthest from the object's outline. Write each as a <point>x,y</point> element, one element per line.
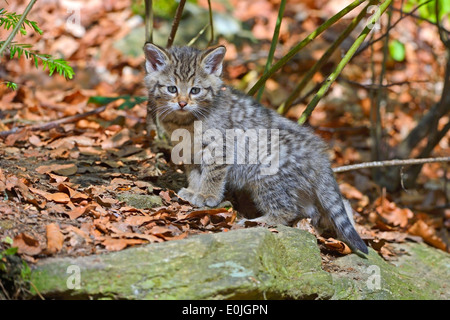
<point>48,62</point>
<point>10,19</point>
<point>11,85</point>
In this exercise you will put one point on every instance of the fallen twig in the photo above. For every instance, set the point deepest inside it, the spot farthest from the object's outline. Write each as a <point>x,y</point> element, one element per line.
<point>389,163</point>
<point>54,124</point>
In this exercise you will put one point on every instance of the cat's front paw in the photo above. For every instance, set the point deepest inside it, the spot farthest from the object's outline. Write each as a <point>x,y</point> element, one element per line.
<point>201,200</point>
<point>186,194</point>
<point>212,201</point>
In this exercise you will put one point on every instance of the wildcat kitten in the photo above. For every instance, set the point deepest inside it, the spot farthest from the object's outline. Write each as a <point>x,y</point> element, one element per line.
<point>185,86</point>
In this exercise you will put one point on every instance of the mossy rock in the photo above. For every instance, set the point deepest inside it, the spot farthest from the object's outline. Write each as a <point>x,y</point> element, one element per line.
<point>250,263</point>
<point>421,272</point>
<point>140,201</point>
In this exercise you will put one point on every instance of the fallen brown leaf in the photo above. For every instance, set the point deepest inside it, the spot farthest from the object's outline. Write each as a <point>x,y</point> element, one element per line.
<point>79,232</point>
<point>200,213</point>
<point>137,220</point>
<point>165,196</point>
<point>61,169</point>
<point>2,181</point>
<point>20,135</point>
<point>73,194</point>
<point>336,245</point>
<point>35,141</point>
<point>392,214</point>
<point>117,140</point>
<point>132,235</point>
<point>26,244</point>
<point>79,211</point>
<point>58,197</point>
<point>55,238</point>
<point>119,244</point>
<point>350,192</point>
<point>420,228</point>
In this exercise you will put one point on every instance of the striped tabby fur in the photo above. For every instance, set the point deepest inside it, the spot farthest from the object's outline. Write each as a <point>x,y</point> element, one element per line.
<point>303,187</point>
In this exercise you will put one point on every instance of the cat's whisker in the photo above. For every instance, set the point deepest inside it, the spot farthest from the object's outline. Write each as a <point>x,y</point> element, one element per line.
<point>199,113</point>
<point>163,111</point>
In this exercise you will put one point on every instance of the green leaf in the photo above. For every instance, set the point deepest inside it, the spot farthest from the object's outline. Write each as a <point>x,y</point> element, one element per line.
<point>127,104</point>
<point>130,101</point>
<point>25,272</point>
<point>48,62</point>
<point>8,240</point>
<point>10,251</point>
<point>101,100</point>
<point>11,85</point>
<point>140,99</point>
<point>397,50</point>
<point>10,19</point>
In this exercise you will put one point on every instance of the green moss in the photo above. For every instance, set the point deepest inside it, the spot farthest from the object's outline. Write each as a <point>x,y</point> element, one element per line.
<point>419,274</point>
<point>245,264</point>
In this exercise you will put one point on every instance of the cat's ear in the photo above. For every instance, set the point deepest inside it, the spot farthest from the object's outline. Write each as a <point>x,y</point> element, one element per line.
<point>212,60</point>
<point>156,59</point>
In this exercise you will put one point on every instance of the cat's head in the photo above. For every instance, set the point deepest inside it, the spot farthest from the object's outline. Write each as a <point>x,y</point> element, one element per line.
<point>183,80</point>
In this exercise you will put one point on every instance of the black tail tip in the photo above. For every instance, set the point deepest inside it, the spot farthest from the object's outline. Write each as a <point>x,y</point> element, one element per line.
<point>355,242</point>
<point>361,246</point>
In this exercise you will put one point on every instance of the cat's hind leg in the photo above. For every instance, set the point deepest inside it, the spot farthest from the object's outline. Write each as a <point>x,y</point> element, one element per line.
<point>280,206</point>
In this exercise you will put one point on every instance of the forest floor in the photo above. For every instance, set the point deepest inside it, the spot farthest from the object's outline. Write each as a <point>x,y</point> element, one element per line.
<point>94,185</point>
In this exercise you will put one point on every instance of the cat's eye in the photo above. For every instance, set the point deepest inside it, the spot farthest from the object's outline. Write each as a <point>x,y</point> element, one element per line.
<point>195,90</point>
<point>172,89</point>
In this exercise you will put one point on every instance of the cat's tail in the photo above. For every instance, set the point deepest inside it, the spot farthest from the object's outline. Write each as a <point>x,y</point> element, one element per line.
<point>333,206</point>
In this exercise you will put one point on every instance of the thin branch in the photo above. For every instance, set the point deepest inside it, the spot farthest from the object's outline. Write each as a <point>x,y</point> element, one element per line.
<point>54,124</point>
<point>149,21</point>
<point>277,66</point>
<point>365,46</point>
<point>377,86</point>
<point>441,32</point>
<point>199,34</point>
<point>346,59</point>
<point>415,16</point>
<point>433,140</point>
<point>284,107</point>
<point>303,98</point>
<point>211,23</point>
<point>389,163</point>
<point>379,95</point>
<point>273,45</point>
<point>429,120</point>
<point>4,291</point>
<point>17,27</point>
<point>175,23</point>
<point>36,290</point>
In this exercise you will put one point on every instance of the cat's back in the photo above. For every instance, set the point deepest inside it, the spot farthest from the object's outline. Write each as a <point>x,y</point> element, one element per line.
<point>246,113</point>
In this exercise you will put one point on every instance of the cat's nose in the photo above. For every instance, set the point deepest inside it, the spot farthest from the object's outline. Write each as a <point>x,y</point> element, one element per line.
<point>182,104</point>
